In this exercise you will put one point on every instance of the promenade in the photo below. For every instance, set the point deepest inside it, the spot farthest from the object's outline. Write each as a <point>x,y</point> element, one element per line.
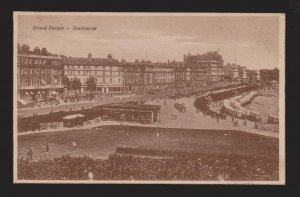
<point>190,119</point>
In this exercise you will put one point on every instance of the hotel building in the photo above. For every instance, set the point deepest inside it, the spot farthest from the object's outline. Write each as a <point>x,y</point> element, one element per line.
<point>204,69</point>
<point>145,76</point>
<point>107,72</point>
<point>39,75</point>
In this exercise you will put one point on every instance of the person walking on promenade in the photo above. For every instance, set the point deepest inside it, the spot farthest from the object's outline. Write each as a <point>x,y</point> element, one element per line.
<point>29,154</point>
<point>43,148</point>
<point>245,122</point>
<point>74,144</point>
<point>91,176</point>
<point>47,149</point>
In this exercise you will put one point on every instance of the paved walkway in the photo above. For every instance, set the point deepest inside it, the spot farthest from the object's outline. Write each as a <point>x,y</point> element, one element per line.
<point>63,107</point>
<point>25,112</point>
<point>190,119</point>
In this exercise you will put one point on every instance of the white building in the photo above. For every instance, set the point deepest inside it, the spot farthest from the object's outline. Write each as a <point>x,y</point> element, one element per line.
<point>108,74</point>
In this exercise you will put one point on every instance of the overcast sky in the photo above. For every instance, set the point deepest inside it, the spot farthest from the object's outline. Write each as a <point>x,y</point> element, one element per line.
<point>251,41</point>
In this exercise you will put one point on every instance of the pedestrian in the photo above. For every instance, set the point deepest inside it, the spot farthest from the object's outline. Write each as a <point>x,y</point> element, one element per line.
<point>255,125</point>
<point>44,148</point>
<point>245,123</point>
<point>29,154</point>
<point>47,149</point>
<point>91,176</point>
<point>217,119</point>
<point>74,144</point>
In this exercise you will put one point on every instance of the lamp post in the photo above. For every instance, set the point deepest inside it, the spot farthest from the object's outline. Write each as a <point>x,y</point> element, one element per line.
<point>51,106</point>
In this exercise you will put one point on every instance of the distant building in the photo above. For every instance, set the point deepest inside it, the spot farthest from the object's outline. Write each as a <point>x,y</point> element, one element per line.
<point>145,76</point>
<point>164,76</point>
<point>205,68</point>
<point>269,75</point>
<point>134,76</point>
<point>39,74</point>
<point>243,75</point>
<point>107,72</point>
<point>231,72</point>
<point>182,74</point>
<point>252,75</point>
<point>257,75</point>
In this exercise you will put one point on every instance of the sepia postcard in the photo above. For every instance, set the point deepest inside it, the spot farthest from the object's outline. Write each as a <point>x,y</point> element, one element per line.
<point>149,98</point>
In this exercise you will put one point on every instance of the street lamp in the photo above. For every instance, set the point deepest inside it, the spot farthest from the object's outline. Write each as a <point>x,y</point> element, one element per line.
<point>51,106</point>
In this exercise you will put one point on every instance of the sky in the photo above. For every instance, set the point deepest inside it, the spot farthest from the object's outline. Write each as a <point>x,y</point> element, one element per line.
<point>251,41</point>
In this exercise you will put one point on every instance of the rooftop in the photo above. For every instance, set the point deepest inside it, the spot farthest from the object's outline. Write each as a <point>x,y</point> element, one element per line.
<point>89,61</point>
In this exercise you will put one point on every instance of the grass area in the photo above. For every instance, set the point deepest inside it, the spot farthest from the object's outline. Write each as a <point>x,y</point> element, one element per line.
<point>103,141</point>
<point>265,105</point>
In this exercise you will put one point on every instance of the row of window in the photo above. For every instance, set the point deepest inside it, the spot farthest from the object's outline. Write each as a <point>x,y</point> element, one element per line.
<point>37,61</point>
<point>81,72</point>
<point>158,80</point>
<point>39,71</point>
<point>39,82</point>
<point>102,80</point>
<point>93,67</point>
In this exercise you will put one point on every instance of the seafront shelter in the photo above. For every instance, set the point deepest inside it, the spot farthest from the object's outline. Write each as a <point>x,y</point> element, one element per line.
<point>131,112</point>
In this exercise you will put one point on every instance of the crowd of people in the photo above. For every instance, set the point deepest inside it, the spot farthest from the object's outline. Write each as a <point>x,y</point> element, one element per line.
<point>177,166</point>
<point>270,89</point>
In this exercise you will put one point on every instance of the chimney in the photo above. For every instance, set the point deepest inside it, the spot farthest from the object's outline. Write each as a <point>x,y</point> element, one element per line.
<point>19,48</point>
<point>44,51</point>
<point>25,48</point>
<point>90,56</point>
<point>109,56</point>
<point>37,50</point>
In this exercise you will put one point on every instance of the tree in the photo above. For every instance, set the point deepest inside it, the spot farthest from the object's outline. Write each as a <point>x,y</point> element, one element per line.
<point>91,84</point>
<point>76,84</point>
<point>66,82</point>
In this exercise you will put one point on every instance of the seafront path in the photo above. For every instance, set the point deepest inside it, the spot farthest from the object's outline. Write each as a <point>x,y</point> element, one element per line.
<point>25,112</point>
<point>190,119</point>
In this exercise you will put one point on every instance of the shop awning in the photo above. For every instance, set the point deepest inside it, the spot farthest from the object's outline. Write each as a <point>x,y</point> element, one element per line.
<point>69,117</point>
<point>53,92</point>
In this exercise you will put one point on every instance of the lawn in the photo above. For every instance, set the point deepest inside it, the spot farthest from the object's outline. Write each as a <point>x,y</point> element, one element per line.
<point>103,141</point>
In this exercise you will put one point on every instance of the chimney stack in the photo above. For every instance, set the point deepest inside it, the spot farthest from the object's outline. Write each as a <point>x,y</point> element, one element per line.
<point>90,56</point>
